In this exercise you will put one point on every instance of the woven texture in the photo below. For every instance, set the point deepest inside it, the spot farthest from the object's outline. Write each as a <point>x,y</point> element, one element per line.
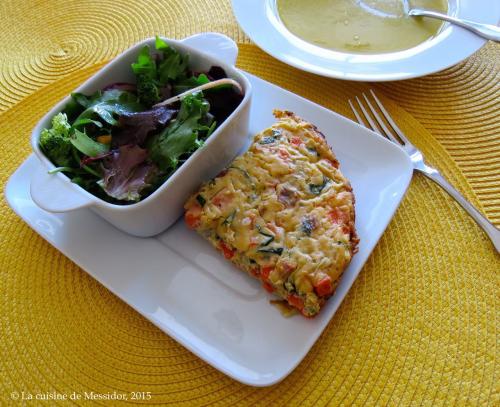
<point>420,323</point>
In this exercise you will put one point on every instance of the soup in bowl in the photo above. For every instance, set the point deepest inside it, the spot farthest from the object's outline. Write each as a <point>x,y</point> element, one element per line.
<point>360,26</point>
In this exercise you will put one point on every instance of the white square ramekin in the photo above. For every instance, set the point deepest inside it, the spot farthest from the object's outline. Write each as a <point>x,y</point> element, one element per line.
<point>154,214</point>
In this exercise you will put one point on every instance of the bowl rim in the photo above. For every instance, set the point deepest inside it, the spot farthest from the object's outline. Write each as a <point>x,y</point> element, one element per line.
<point>449,47</point>
<point>94,200</point>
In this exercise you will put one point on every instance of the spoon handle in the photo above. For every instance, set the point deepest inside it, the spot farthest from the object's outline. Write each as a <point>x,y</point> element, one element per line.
<point>487,31</point>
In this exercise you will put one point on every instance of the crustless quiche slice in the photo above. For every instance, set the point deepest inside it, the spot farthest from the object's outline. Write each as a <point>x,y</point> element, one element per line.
<point>283,212</point>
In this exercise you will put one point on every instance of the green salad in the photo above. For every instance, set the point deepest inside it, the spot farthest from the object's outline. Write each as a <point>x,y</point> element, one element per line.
<point>124,141</point>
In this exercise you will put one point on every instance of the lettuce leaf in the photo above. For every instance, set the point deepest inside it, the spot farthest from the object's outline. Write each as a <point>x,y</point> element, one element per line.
<point>135,127</point>
<point>173,65</point>
<point>86,145</point>
<point>126,173</point>
<point>184,134</point>
<point>191,82</point>
<point>155,72</point>
<point>145,64</point>
<point>106,105</point>
<point>146,77</point>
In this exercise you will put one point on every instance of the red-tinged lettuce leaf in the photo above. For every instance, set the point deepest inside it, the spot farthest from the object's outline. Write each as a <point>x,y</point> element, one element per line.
<point>165,91</point>
<point>223,102</point>
<point>135,127</point>
<point>126,173</point>
<point>86,160</point>
<point>216,72</point>
<point>223,99</point>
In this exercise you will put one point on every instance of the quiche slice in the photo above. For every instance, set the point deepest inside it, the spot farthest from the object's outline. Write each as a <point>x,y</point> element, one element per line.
<point>283,212</point>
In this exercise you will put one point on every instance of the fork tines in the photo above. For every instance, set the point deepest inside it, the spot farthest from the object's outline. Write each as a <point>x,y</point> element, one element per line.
<point>373,116</point>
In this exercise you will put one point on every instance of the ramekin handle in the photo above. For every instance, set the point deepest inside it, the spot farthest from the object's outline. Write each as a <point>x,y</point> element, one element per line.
<point>216,45</point>
<point>56,193</point>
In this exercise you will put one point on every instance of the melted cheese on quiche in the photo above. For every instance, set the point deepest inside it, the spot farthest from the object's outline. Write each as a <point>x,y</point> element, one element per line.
<point>283,212</point>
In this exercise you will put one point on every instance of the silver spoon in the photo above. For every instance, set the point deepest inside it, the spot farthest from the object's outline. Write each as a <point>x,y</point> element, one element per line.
<point>488,31</point>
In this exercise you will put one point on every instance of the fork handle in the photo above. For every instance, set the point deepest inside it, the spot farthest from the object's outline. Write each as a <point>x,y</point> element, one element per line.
<point>490,229</point>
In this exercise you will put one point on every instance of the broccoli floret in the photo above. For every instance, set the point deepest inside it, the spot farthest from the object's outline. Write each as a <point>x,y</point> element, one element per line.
<point>60,124</point>
<point>56,147</point>
<point>147,90</point>
<point>55,142</point>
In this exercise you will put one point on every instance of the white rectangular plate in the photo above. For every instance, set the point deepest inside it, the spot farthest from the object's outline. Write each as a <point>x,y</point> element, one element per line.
<point>183,286</point>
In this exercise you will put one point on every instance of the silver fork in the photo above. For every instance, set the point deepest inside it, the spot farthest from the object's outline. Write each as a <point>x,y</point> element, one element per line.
<point>377,124</point>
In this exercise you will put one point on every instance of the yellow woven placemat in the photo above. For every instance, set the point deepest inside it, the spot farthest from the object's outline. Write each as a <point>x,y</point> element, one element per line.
<point>44,41</point>
<point>419,325</point>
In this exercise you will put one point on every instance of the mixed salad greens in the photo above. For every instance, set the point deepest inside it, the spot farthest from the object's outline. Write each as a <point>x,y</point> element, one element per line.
<point>123,142</point>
